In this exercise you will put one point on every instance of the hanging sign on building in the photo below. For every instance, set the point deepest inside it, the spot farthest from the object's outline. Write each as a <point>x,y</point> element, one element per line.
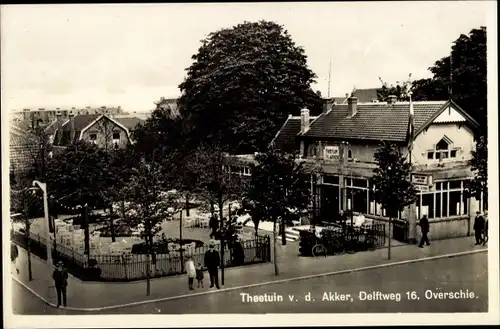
<point>421,179</point>
<point>331,153</point>
<point>422,188</point>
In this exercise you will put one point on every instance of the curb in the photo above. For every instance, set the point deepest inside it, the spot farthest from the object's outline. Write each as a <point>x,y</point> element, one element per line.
<point>359,269</point>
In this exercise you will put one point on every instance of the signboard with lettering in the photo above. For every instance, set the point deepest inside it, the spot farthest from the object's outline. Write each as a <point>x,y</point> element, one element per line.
<point>420,179</point>
<point>422,188</point>
<point>331,152</point>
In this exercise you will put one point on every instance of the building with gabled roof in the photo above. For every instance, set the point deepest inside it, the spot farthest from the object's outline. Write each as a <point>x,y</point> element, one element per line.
<point>99,129</point>
<point>345,137</point>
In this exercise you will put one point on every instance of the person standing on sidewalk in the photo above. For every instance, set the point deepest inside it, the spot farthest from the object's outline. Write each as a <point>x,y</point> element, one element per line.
<point>191,272</point>
<point>424,226</point>
<point>478,228</point>
<point>485,234</point>
<point>60,277</point>
<point>212,262</point>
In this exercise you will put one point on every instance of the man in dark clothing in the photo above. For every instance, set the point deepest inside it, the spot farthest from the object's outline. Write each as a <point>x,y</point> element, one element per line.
<point>485,234</point>
<point>212,262</point>
<point>478,228</point>
<point>60,277</point>
<point>213,224</point>
<point>424,226</point>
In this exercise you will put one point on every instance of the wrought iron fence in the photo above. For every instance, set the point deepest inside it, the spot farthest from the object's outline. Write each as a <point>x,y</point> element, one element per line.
<point>130,267</point>
<point>359,233</point>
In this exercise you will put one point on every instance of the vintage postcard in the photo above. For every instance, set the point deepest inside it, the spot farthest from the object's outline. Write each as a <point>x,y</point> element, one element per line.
<point>249,164</point>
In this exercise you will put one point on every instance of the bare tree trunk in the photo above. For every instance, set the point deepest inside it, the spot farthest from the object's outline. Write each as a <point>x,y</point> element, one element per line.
<point>275,249</point>
<point>283,233</point>
<point>222,232</point>
<point>148,268</point>
<point>256,225</point>
<point>111,224</point>
<point>389,232</point>
<point>28,249</point>
<point>187,205</point>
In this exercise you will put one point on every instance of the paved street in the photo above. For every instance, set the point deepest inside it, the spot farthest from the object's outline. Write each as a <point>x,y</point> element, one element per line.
<point>466,273</point>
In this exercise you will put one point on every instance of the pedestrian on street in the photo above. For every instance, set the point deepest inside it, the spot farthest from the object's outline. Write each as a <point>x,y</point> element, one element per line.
<point>213,224</point>
<point>14,253</point>
<point>199,275</point>
<point>60,277</point>
<point>485,234</point>
<point>191,272</point>
<point>212,262</point>
<point>478,228</point>
<point>424,226</point>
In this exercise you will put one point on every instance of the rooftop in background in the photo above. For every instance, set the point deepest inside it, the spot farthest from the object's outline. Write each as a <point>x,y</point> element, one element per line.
<point>366,95</point>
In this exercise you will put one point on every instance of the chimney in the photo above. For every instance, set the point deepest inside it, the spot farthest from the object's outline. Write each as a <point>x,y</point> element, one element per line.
<point>304,121</point>
<point>327,106</point>
<point>352,106</point>
<point>391,100</point>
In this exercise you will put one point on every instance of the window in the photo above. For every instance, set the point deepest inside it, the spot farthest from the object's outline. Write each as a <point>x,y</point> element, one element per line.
<point>116,135</point>
<point>93,138</point>
<point>246,171</point>
<point>455,203</point>
<point>443,150</point>
<point>428,205</point>
<point>327,179</point>
<point>349,154</point>
<point>455,184</point>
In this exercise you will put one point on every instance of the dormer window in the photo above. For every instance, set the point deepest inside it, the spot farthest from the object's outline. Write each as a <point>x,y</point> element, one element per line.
<point>443,150</point>
<point>349,154</point>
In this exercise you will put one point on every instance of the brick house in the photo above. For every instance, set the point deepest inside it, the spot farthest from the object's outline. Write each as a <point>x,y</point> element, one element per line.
<point>99,129</point>
<point>344,138</point>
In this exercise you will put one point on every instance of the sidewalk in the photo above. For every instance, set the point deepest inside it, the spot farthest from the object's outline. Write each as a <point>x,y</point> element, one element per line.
<point>101,294</point>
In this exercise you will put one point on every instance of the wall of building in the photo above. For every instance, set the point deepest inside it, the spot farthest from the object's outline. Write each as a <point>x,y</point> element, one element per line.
<point>462,137</point>
<point>104,130</point>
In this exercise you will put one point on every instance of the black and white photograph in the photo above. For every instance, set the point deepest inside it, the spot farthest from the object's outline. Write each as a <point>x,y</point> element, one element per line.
<point>249,164</point>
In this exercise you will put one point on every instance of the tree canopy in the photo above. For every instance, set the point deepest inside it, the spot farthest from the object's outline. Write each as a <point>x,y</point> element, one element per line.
<point>243,83</point>
<point>393,189</point>
<point>468,74</point>
<point>479,165</point>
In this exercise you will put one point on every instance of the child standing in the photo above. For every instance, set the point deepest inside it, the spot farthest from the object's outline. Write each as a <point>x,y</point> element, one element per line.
<point>199,275</point>
<point>191,272</point>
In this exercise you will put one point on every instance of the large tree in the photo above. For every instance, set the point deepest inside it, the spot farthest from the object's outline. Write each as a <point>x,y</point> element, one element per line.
<point>393,188</point>
<point>277,189</point>
<point>243,83</point>
<point>468,76</point>
<point>145,191</point>
<point>479,165</point>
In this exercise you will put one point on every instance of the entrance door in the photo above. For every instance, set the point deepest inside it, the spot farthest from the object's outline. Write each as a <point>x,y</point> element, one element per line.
<point>330,203</point>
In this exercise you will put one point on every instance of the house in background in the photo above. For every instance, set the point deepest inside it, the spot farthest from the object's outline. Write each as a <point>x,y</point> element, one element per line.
<point>344,138</point>
<point>368,95</point>
<point>47,115</point>
<point>104,131</point>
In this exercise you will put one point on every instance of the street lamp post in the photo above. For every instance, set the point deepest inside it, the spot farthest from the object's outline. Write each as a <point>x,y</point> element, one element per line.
<point>43,187</point>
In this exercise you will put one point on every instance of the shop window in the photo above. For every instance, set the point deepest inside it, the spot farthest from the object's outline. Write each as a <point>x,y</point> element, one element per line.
<point>428,205</point>
<point>348,182</point>
<point>438,186</point>
<point>444,210</point>
<point>455,184</point>
<point>455,203</point>
<point>438,205</point>
<point>465,203</point>
<point>445,186</point>
<point>360,203</point>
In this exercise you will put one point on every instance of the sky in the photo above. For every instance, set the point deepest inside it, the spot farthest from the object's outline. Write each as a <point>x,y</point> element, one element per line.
<point>131,55</point>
